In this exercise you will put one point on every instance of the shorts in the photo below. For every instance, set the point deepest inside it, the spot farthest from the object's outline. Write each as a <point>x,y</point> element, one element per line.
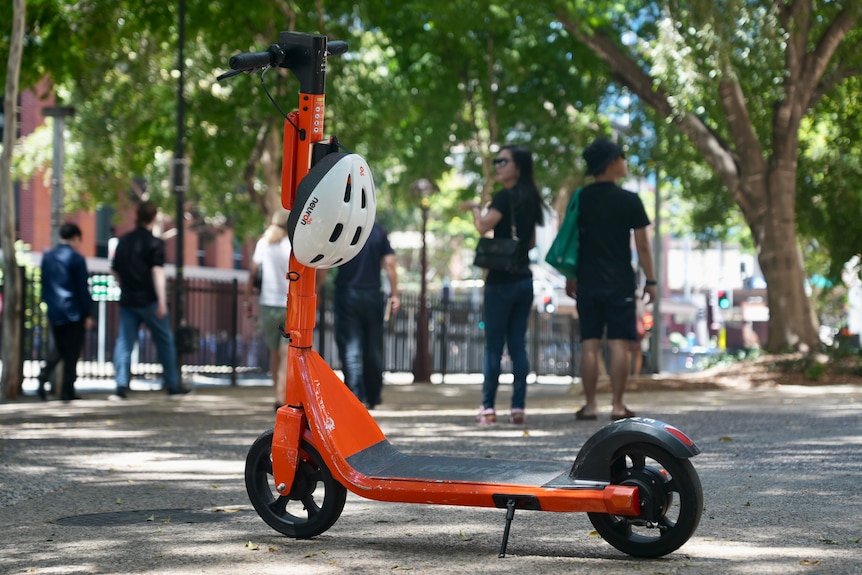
<point>270,318</point>
<point>611,308</point>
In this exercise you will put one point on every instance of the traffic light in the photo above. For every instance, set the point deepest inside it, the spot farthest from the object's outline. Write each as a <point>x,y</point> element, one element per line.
<point>723,298</point>
<point>548,304</point>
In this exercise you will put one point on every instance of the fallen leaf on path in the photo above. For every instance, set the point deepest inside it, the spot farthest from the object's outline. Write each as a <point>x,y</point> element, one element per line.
<point>252,546</point>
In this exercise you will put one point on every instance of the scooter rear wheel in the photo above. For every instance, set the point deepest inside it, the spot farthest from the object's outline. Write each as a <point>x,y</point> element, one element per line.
<point>671,502</point>
<point>315,500</point>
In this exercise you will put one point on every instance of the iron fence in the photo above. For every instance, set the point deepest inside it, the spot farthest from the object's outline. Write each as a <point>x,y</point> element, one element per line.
<point>229,341</point>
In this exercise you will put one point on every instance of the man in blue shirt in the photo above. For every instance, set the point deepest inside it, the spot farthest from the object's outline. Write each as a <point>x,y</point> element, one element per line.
<point>67,295</point>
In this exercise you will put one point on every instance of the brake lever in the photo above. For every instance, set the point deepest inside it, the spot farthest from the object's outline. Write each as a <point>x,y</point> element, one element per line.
<point>228,74</point>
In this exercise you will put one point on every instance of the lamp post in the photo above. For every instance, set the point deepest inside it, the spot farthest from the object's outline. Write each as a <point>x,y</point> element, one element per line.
<point>179,188</point>
<point>422,360</point>
<point>658,255</point>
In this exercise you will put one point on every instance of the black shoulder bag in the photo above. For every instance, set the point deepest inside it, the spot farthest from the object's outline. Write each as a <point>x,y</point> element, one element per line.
<point>503,254</point>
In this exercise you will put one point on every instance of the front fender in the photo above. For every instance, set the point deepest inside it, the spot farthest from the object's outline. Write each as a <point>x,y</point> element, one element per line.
<point>594,459</point>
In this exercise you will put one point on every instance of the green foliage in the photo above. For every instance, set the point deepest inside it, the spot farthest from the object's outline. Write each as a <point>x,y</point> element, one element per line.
<point>829,202</point>
<point>429,89</point>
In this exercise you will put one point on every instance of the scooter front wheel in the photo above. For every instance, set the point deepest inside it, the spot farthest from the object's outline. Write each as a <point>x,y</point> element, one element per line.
<point>315,500</point>
<point>671,502</point>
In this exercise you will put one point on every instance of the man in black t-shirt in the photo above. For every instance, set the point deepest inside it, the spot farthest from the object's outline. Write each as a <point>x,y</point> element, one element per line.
<point>139,267</point>
<point>606,286</point>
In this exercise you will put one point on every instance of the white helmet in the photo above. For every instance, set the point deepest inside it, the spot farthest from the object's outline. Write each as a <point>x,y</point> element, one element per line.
<point>333,211</point>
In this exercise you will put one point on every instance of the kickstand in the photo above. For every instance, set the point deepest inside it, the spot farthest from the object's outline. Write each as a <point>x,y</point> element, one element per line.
<point>510,514</point>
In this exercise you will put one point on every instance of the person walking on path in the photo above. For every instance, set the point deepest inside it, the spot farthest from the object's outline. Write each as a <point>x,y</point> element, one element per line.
<point>508,296</point>
<point>605,289</point>
<point>70,308</point>
<point>138,265</point>
<point>359,315</point>
<point>272,257</point>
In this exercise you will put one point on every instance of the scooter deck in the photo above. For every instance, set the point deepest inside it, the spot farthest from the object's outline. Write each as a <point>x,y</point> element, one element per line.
<point>384,462</point>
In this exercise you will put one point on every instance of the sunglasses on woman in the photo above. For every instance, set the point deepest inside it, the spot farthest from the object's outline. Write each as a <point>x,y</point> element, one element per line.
<point>499,162</point>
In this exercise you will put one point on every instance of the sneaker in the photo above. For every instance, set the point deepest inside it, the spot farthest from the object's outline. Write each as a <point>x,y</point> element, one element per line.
<point>40,388</point>
<point>119,395</point>
<point>487,416</point>
<point>181,390</point>
<point>517,416</point>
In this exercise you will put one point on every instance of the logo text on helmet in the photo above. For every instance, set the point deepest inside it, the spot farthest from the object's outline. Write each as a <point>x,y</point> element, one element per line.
<point>306,217</point>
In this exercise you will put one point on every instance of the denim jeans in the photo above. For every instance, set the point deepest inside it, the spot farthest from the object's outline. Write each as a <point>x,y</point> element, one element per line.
<point>131,319</point>
<point>507,309</point>
<point>359,336</point>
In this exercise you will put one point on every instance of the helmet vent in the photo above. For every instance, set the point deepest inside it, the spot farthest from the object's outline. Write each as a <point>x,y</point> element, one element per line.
<point>356,236</point>
<point>317,258</point>
<point>364,199</point>
<point>336,233</point>
<point>348,190</point>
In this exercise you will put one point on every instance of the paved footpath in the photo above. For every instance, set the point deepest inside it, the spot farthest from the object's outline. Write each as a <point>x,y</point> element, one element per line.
<point>154,486</point>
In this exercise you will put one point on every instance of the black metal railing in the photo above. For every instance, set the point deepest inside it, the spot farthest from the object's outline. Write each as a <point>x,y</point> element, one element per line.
<point>229,342</point>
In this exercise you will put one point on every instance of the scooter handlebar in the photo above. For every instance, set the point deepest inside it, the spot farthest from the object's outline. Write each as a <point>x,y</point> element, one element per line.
<point>253,60</point>
<point>336,47</point>
<point>275,55</point>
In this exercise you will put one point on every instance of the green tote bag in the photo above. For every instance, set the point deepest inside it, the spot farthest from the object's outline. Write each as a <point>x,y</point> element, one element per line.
<point>563,254</point>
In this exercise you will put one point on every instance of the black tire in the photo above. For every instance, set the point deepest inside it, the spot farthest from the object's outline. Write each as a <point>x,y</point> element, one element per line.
<point>315,500</point>
<point>671,500</point>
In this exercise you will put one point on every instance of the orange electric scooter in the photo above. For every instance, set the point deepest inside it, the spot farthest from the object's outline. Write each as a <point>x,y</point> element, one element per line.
<point>632,477</point>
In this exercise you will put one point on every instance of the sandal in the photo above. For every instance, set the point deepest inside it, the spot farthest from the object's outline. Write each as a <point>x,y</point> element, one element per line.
<point>487,416</point>
<point>627,413</point>
<point>581,416</point>
<point>517,416</point>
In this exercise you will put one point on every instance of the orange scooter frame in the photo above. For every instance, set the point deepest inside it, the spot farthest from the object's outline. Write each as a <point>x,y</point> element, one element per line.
<point>633,477</point>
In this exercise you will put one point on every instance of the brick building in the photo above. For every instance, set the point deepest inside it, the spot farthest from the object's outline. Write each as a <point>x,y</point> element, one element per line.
<point>33,203</point>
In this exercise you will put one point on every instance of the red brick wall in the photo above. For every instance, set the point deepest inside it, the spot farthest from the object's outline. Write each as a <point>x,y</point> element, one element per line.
<point>34,207</point>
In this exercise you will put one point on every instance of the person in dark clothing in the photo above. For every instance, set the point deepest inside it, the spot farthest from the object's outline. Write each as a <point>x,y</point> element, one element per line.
<point>605,288</point>
<point>509,296</point>
<point>139,267</point>
<point>359,315</point>
<point>70,307</point>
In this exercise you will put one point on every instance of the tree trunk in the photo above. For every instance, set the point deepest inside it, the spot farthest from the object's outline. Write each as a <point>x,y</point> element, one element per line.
<point>792,322</point>
<point>10,379</point>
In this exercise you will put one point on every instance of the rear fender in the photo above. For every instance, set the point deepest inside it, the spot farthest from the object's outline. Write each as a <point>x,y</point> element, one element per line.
<point>594,459</point>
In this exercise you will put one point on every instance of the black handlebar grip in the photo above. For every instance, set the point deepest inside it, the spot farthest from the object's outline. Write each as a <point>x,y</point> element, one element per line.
<point>250,60</point>
<point>336,47</point>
